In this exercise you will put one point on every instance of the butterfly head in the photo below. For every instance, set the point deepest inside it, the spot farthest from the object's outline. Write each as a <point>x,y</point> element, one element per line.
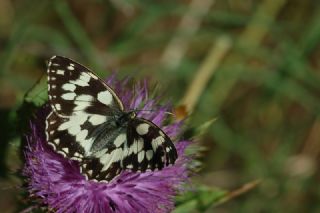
<point>125,117</point>
<point>132,114</point>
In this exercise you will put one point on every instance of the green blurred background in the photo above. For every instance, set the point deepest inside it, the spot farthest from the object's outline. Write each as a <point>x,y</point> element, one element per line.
<point>247,71</point>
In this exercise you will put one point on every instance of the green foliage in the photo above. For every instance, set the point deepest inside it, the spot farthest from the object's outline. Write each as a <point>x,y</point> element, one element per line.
<point>199,200</point>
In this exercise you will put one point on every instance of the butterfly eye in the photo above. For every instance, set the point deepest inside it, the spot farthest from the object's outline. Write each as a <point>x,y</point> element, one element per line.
<point>132,115</point>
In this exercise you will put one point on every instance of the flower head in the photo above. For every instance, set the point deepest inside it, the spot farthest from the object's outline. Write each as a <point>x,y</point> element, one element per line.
<point>58,183</point>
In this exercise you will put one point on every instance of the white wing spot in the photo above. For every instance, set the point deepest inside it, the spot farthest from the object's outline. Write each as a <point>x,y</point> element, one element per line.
<point>79,82</point>
<point>149,154</point>
<point>140,156</point>
<point>90,172</point>
<point>84,98</point>
<point>75,158</point>
<point>82,102</point>
<point>130,166</point>
<point>107,175</point>
<point>97,119</point>
<point>120,139</point>
<point>57,141</point>
<point>161,133</point>
<point>105,159</point>
<point>58,106</point>
<point>143,128</point>
<point>70,67</point>
<point>81,105</point>
<point>77,120</point>
<point>140,145</point>
<point>86,145</point>
<point>53,122</point>
<point>118,154</point>
<point>60,72</point>
<point>101,153</point>
<point>53,86</point>
<point>74,130</point>
<point>82,135</point>
<point>157,142</point>
<point>77,154</point>
<point>68,96</point>
<point>66,150</point>
<point>134,147</point>
<point>69,87</point>
<point>82,81</point>
<point>108,159</point>
<point>105,97</point>
<point>85,77</point>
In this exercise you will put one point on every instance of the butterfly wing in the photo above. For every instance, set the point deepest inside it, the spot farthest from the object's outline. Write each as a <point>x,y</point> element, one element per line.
<point>82,121</point>
<point>148,147</point>
<point>62,141</point>
<point>74,88</point>
<point>105,164</point>
<point>138,146</point>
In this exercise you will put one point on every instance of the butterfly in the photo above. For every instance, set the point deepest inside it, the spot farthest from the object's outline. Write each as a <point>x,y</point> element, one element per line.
<point>88,123</point>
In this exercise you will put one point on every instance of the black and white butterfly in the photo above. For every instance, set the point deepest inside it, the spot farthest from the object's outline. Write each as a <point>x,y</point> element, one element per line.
<point>88,124</point>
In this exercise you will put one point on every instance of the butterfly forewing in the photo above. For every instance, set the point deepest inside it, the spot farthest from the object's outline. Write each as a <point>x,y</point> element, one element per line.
<point>87,124</point>
<point>73,88</point>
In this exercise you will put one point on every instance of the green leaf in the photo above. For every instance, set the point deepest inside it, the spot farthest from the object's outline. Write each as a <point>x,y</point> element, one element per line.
<point>199,199</point>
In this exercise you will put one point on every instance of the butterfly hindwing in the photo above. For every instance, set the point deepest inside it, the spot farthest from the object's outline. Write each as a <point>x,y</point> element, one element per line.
<point>101,166</point>
<point>148,147</point>
<point>73,136</point>
<point>142,146</point>
<point>106,159</point>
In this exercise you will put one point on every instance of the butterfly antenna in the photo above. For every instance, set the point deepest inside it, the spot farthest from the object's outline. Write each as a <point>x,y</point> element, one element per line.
<point>150,110</point>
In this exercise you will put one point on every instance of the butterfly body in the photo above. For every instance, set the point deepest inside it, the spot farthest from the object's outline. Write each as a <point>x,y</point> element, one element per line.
<point>88,124</point>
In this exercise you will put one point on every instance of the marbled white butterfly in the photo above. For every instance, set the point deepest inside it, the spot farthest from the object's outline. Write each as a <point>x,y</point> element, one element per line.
<point>88,124</point>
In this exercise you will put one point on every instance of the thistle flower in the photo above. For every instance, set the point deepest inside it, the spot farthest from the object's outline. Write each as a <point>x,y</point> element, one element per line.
<point>61,187</point>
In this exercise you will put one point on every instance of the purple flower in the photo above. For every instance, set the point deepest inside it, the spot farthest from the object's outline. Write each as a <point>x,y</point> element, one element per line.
<point>61,187</point>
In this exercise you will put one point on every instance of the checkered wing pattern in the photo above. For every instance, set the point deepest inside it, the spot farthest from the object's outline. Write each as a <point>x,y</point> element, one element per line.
<point>88,124</point>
